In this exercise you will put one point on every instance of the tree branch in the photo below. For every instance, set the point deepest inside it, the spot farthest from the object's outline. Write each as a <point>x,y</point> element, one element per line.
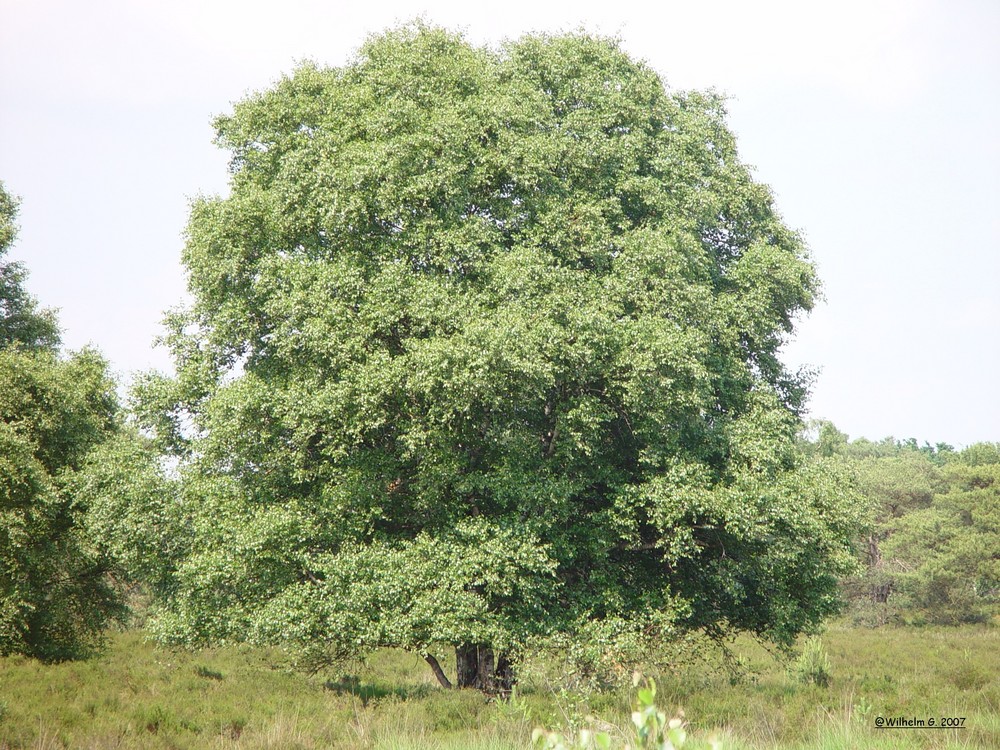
<point>438,672</point>
<point>550,448</point>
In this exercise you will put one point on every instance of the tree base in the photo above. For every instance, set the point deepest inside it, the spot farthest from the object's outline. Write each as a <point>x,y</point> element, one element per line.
<point>478,667</point>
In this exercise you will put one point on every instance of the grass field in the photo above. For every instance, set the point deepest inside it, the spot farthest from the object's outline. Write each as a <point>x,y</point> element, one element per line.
<point>141,696</point>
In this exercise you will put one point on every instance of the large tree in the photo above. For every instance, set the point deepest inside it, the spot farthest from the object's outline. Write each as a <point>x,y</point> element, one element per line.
<point>484,348</point>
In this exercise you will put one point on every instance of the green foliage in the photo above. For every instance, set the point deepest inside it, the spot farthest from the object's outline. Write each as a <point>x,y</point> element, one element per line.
<point>54,593</point>
<point>133,514</point>
<point>483,350</point>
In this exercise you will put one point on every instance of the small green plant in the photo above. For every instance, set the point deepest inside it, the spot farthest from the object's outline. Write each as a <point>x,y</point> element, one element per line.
<point>861,711</point>
<point>814,664</point>
<point>651,730</point>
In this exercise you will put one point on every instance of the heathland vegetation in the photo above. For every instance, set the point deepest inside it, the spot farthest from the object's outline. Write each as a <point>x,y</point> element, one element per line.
<point>137,695</point>
<point>480,376</point>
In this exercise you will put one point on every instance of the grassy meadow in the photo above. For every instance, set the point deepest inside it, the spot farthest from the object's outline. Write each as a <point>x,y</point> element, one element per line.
<point>138,695</point>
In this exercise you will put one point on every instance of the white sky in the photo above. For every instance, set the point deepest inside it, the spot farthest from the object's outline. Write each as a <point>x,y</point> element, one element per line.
<point>874,121</point>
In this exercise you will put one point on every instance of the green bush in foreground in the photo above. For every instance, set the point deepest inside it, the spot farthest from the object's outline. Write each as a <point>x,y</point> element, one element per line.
<point>651,730</point>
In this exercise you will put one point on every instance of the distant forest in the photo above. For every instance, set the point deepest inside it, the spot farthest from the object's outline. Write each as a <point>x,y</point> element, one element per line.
<point>932,551</point>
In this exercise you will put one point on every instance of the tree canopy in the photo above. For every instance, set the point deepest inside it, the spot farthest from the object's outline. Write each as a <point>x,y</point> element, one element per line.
<point>484,348</point>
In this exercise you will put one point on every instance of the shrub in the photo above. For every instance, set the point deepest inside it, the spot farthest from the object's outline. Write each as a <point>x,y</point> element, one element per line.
<point>814,664</point>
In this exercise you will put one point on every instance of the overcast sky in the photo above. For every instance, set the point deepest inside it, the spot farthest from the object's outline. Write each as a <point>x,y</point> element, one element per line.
<point>874,121</point>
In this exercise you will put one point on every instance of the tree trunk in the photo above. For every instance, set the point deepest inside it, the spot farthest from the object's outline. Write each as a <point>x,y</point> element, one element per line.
<point>880,592</point>
<point>478,667</point>
<point>873,553</point>
<point>473,663</point>
<point>503,676</point>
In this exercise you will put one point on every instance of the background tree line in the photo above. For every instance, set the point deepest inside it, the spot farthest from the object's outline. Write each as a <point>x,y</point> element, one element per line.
<point>932,552</point>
